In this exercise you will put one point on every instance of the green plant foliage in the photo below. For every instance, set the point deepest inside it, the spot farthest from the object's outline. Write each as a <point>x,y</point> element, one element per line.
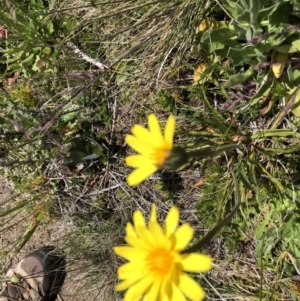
<point>38,37</point>
<point>260,33</point>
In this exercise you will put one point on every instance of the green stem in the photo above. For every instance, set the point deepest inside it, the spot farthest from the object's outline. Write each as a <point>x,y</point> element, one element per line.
<point>208,237</point>
<point>212,153</point>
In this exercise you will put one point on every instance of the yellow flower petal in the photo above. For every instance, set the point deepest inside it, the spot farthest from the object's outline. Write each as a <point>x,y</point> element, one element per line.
<point>152,294</point>
<point>136,291</point>
<point>137,161</point>
<point>130,230</point>
<point>171,221</point>
<point>155,130</point>
<point>131,270</point>
<point>146,136</point>
<point>196,262</point>
<point>137,243</point>
<point>157,232</point>
<point>138,219</point>
<point>141,133</point>
<point>166,290</point>
<point>191,288</point>
<point>125,284</point>
<point>169,131</point>
<point>183,235</point>
<point>141,174</point>
<point>153,217</point>
<point>177,294</point>
<point>146,235</point>
<point>130,253</point>
<point>138,145</point>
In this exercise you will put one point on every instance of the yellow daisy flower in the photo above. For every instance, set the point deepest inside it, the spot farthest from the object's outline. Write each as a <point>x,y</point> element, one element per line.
<point>152,146</point>
<point>156,267</point>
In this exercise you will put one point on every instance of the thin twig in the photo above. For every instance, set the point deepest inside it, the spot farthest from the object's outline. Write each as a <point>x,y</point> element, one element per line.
<point>85,57</point>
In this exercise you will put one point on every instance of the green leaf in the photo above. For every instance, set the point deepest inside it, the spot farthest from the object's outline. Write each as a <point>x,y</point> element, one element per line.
<point>233,8</point>
<point>90,157</point>
<point>295,47</point>
<point>238,78</point>
<point>29,60</point>
<point>281,13</point>
<point>243,176</point>
<point>238,56</point>
<point>240,31</point>
<point>50,27</point>
<point>244,18</point>
<point>16,56</point>
<point>272,179</point>
<point>27,235</point>
<point>264,89</point>
<point>12,210</point>
<point>265,12</point>
<point>218,35</point>
<point>262,228</point>
<point>287,228</point>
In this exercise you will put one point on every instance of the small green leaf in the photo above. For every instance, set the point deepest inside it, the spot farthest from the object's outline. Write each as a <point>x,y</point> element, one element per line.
<point>29,60</point>
<point>69,116</point>
<point>47,50</point>
<point>293,75</point>
<point>50,27</point>
<point>296,105</point>
<point>120,78</point>
<point>36,49</point>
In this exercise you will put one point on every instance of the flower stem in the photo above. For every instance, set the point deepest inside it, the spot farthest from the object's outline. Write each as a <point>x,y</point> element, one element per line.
<point>201,243</point>
<point>212,153</point>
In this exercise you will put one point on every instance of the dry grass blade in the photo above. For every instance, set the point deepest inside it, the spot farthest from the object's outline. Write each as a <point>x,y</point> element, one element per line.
<point>11,10</point>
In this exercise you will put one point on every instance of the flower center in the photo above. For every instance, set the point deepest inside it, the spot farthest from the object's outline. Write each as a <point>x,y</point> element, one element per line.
<point>160,156</point>
<point>160,262</point>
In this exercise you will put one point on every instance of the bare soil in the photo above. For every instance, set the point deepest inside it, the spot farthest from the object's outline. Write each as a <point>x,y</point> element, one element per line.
<point>12,228</point>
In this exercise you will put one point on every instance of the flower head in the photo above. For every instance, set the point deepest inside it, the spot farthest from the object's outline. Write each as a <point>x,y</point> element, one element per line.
<point>156,268</point>
<point>152,146</point>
